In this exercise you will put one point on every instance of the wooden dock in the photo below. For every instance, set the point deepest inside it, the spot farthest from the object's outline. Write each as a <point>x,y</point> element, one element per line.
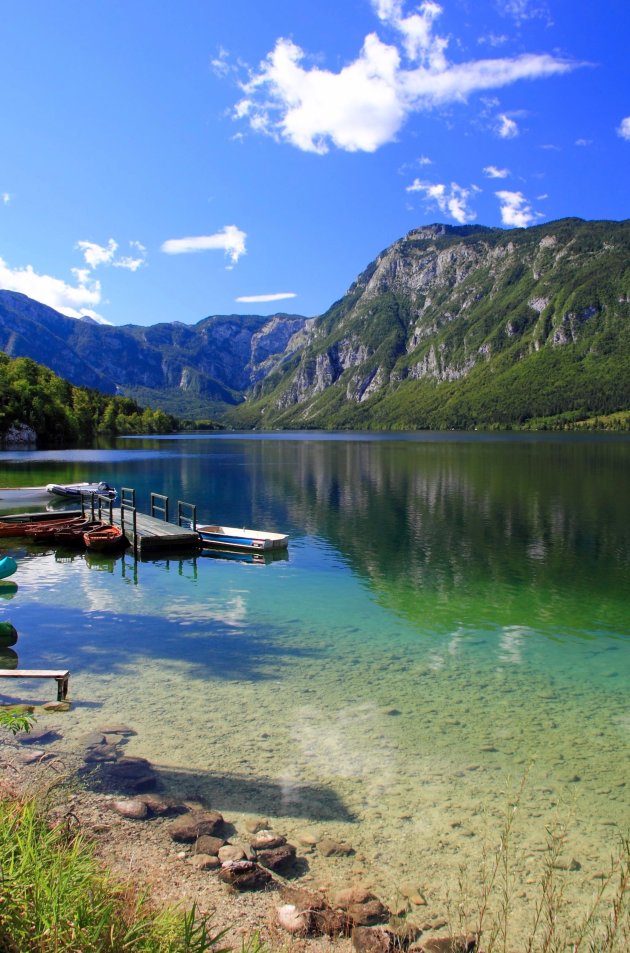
<point>154,535</point>
<point>149,533</point>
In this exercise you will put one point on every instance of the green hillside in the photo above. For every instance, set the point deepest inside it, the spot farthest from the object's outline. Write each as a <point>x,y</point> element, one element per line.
<point>458,328</point>
<point>60,413</point>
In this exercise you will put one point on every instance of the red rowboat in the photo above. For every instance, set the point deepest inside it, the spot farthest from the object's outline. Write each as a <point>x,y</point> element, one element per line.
<point>70,532</point>
<point>25,528</point>
<point>105,539</point>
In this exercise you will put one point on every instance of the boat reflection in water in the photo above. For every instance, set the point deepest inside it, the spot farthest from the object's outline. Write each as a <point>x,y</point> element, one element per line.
<point>259,558</point>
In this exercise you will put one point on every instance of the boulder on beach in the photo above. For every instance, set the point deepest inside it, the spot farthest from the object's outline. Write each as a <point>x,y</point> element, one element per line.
<point>132,808</point>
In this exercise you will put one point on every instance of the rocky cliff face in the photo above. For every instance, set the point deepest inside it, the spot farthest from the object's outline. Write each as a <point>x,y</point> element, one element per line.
<point>218,358</point>
<point>444,302</point>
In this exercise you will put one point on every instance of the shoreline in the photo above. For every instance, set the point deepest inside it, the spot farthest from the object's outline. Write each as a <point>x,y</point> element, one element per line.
<point>124,809</point>
<point>140,850</point>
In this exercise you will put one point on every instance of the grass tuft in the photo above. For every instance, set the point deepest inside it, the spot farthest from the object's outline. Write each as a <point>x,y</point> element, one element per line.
<point>55,898</point>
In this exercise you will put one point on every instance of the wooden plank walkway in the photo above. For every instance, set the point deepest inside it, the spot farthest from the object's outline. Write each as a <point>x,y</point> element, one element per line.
<point>156,535</point>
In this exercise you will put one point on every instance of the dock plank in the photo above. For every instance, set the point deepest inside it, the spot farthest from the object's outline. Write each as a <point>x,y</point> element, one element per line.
<point>156,534</point>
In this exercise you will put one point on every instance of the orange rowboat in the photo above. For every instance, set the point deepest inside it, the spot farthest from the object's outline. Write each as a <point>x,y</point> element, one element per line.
<point>105,539</point>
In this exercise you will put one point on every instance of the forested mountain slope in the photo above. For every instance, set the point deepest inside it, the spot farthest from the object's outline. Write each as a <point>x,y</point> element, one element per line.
<point>450,327</point>
<point>183,368</point>
<point>459,327</point>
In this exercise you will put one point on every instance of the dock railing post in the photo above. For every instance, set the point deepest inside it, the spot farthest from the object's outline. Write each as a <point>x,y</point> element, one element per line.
<point>159,506</point>
<point>128,505</point>
<point>187,515</point>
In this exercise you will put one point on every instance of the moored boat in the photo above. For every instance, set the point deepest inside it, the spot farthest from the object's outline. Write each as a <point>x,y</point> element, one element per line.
<point>69,533</point>
<point>8,566</point>
<point>230,537</point>
<point>25,527</point>
<point>14,495</point>
<point>105,539</point>
<point>73,491</point>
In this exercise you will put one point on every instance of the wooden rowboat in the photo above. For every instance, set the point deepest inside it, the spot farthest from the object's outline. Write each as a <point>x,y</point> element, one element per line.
<point>10,528</point>
<point>105,539</point>
<point>229,537</point>
<point>70,532</point>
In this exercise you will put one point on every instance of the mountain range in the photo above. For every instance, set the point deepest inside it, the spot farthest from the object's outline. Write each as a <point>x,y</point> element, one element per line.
<point>449,327</point>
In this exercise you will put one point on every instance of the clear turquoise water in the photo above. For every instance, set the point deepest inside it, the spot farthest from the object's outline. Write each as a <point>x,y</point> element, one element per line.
<point>453,617</point>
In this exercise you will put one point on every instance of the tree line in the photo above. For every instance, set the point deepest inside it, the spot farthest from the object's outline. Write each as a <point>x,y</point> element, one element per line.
<point>61,413</point>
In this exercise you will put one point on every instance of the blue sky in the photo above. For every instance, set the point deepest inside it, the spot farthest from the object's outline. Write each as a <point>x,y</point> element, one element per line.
<point>165,161</point>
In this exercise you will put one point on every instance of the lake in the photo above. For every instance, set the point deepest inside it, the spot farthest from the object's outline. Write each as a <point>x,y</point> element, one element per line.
<point>451,625</point>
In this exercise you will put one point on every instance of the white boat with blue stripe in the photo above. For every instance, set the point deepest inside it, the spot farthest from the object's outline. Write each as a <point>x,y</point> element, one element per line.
<point>230,537</point>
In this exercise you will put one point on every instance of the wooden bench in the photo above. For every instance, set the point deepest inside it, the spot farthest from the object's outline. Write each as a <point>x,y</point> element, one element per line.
<point>60,677</point>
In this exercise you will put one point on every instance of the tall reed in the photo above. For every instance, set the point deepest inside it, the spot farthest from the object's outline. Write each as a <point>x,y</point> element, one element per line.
<point>554,925</point>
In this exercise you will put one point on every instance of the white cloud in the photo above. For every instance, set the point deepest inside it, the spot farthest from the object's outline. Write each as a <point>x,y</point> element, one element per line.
<point>220,64</point>
<point>424,160</point>
<point>130,263</point>
<point>494,173</point>
<point>451,200</point>
<point>418,42</point>
<point>493,39</point>
<point>366,103</point>
<point>522,10</point>
<point>231,239</point>
<point>507,128</point>
<point>71,300</point>
<point>255,299</point>
<point>74,300</point>
<point>516,210</point>
<point>5,198</point>
<point>96,255</point>
<point>624,128</point>
<point>584,142</point>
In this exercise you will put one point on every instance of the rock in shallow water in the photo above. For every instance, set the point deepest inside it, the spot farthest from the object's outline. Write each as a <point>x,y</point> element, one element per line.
<point>276,858</point>
<point>205,862</point>
<point>329,847</point>
<point>447,944</point>
<point>293,920</point>
<point>376,940</point>
<point>245,875</point>
<point>266,839</point>
<point>38,736</point>
<point>253,825</point>
<point>189,827</point>
<point>231,852</point>
<point>206,844</point>
<point>131,774</point>
<point>57,706</point>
